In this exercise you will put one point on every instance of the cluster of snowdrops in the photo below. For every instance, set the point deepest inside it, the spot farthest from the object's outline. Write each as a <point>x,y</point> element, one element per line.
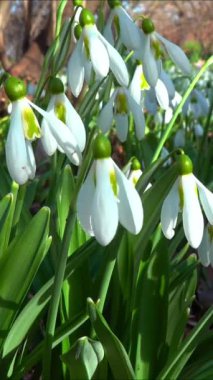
<point>109,195</point>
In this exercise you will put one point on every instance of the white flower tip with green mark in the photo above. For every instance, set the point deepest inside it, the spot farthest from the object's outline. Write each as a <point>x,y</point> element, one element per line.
<point>105,198</point>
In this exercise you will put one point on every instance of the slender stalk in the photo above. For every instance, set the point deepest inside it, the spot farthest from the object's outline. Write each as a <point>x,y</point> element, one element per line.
<point>179,108</point>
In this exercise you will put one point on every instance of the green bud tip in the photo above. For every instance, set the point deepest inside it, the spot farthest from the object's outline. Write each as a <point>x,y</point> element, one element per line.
<point>15,88</point>
<point>185,165</point>
<point>55,86</point>
<point>102,147</point>
<point>135,164</point>
<point>77,31</point>
<point>77,3</point>
<point>86,18</point>
<point>148,26</point>
<point>114,3</point>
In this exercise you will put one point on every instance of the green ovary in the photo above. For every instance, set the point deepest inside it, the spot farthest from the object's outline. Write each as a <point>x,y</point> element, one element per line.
<point>31,126</point>
<point>60,112</point>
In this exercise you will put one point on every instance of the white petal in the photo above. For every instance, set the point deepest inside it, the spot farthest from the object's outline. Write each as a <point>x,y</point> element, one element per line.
<point>149,63</point>
<point>65,139</point>
<point>168,115</point>
<point>107,33</point>
<point>138,116</point>
<point>104,207</point>
<point>135,85</point>
<point>85,200</point>
<point>204,250</point>
<point>162,94</point>
<point>98,52</point>
<point>168,83</point>
<point>206,198</point>
<point>106,115</point>
<point>129,33</point>
<point>75,70</point>
<point>130,205</point>
<point>204,106</point>
<point>198,129</point>
<point>16,153</point>
<point>169,212</point>
<point>87,69</point>
<point>179,139</point>
<point>75,124</point>
<point>48,141</point>
<point>177,55</point>
<point>31,160</point>
<point>122,125</point>
<point>117,64</point>
<point>193,223</point>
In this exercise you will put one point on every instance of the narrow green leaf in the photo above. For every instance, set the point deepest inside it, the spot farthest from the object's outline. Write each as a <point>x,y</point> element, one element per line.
<point>149,349</point>
<point>19,266</point>
<point>182,355</point>
<point>114,350</point>
<point>5,207</point>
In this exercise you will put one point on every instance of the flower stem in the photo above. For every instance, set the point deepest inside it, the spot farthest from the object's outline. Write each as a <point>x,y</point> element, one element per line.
<point>179,108</point>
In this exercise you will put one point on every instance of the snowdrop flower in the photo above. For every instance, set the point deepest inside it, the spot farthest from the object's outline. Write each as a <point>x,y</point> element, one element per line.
<point>196,104</point>
<point>60,106</point>
<point>173,104</point>
<point>151,51</point>
<point>133,172</point>
<point>79,5</point>
<point>186,195</point>
<point>198,130</point>
<point>179,139</point>
<point>108,197</point>
<point>139,84</point>
<point>118,108</point>
<point>93,48</point>
<point>24,129</point>
<point>127,29</point>
<point>205,250</point>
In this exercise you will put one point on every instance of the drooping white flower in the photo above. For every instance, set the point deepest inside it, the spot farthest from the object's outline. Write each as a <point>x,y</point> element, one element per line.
<point>205,250</point>
<point>151,51</point>
<point>186,195</point>
<point>60,106</point>
<point>128,30</point>
<point>133,172</point>
<point>198,130</point>
<point>94,49</point>
<point>118,108</point>
<point>24,129</point>
<point>179,138</point>
<point>108,197</point>
<point>196,105</point>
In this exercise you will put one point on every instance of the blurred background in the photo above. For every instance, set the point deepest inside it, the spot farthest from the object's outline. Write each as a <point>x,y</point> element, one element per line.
<point>27,28</point>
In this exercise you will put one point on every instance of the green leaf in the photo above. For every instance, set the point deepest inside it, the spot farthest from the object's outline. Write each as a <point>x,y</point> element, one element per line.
<point>37,304</point>
<point>180,357</point>
<point>113,348</point>
<point>19,266</point>
<point>63,197</point>
<point>83,358</point>
<point>5,207</point>
<point>148,344</point>
<point>8,222</point>
<point>182,289</point>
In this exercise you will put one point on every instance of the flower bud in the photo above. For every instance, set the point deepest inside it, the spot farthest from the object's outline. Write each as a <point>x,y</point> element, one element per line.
<point>15,88</point>
<point>147,26</point>
<point>114,3</point>
<point>102,147</point>
<point>86,18</point>
<point>77,31</point>
<point>77,3</point>
<point>135,164</point>
<point>185,165</point>
<point>55,86</point>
